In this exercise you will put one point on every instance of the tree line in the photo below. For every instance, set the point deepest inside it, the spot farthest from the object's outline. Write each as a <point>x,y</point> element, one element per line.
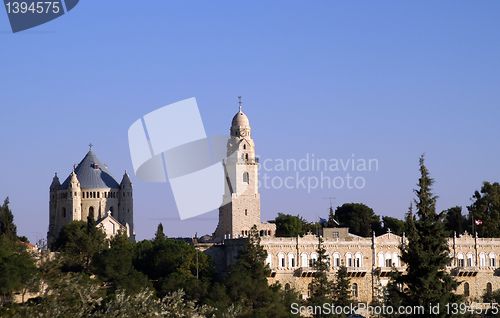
<point>483,218</point>
<point>90,275</point>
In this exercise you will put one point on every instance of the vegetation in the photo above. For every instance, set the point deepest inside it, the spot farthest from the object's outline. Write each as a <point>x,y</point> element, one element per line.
<point>359,218</point>
<point>289,225</point>
<point>92,276</point>
<point>426,255</point>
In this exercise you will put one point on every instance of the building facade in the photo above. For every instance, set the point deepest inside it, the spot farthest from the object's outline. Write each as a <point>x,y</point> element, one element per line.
<point>369,260</point>
<point>90,190</point>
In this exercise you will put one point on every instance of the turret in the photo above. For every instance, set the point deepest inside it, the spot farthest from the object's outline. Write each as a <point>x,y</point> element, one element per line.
<point>74,198</point>
<point>54,188</point>
<point>126,204</point>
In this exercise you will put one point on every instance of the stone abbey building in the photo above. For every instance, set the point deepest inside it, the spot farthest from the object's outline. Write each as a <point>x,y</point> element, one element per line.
<point>91,190</point>
<point>369,260</point>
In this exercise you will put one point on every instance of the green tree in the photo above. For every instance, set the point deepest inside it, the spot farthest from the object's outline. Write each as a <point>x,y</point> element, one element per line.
<point>7,226</point>
<point>320,288</point>
<point>159,235</point>
<point>426,254</point>
<point>17,268</point>
<point>290,225</point>
<point>78,243</point>
<point>359,218</point>
<point>172,265</point>
<point>486,207</point>
<point>454,221</point>
<point>332,221</point>
<point>342,288</point>
<point>114,265</point>
<point>396,226</point>
<point>247,283</point>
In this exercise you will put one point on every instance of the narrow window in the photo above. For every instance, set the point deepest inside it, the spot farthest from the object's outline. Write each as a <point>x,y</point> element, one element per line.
<point>466,290</point>
<point>355,290</point>
<point>489,289</point>
<point>246,177</point>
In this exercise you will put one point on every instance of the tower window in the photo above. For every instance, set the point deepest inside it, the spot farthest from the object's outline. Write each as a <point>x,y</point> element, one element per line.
<point>246,177</point>
<point>64,212</point>
<point>246,156</point>
<point>466,290</point>
<point>91,212</point>
<point>244,146</point>
<point>246,212</point>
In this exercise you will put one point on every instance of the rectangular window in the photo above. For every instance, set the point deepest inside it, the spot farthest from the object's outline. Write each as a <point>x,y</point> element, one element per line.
<point>461,262</point>
<point>336,235</point>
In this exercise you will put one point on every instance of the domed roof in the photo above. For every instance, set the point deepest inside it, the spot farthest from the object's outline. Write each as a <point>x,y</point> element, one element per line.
<point>240,120</point>
<point>92,174</point>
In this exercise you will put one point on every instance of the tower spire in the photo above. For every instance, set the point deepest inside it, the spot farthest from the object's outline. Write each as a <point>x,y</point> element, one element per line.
<point>240,103</point>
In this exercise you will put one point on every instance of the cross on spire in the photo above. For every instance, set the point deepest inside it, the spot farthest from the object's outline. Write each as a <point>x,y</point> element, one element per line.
<point>240,103</point>
<point>90,146</point>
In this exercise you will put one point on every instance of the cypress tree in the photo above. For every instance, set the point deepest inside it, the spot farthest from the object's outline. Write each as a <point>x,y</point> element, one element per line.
<point>320,288</point>
<point>427,254</point>
<point>159,235</point>
<point>7,226</point>
<point>342,288</point>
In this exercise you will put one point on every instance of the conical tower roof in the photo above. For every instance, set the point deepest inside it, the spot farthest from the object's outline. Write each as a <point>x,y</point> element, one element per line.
<point>92,174</point>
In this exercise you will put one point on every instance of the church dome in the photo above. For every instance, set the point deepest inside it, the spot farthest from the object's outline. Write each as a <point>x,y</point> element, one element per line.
<point>240,120</point>
<point>92,174</point>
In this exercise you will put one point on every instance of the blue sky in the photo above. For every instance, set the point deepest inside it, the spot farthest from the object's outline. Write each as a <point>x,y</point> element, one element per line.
<point>386,79</point>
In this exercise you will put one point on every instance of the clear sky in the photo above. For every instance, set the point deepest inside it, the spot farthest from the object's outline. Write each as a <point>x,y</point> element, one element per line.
<point>378,79</point>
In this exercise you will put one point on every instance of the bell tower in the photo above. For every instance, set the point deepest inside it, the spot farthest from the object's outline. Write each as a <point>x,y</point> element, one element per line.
<point>242,209</point>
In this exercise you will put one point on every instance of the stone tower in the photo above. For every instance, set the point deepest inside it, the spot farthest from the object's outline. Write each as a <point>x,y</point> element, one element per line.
<point>90,190</point>
<point>242,211</point>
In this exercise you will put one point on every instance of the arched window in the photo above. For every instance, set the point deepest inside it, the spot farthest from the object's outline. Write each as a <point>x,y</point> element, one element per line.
<point>269,260</point>
<point>313,260</point>
<point>466,290</point>
<point>246,177</point>
<point>388,260</point>
<point>493,260</point>
<point>482,259</point>
<point>281,260</point>
<point>348,259</point>
<point>336,259</point>
<point>358,260</point>
<point>246,211</point>
<point>91,212</point>
<point>291,260</point>
<point>287,286</point>
<point>395,259</point>
<point>246,156</point>
<point>304,262</point>
<point>381,261</point>
<point>489,288</point>
<point>64,212</point>
<point>244,146</point>
<point>355,291</point>
<point>470,260</point>
<point>460,260</point>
